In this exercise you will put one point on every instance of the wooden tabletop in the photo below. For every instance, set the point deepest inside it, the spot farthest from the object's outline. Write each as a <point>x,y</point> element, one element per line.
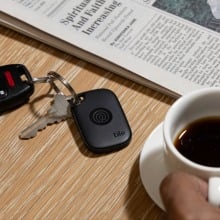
<point>54,176</point>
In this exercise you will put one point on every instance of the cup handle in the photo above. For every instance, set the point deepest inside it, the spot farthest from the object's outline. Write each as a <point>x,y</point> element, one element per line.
<point>214,191</point>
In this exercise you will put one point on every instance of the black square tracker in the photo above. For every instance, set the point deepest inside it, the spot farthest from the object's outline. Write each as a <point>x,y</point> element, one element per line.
<point>101,121</point>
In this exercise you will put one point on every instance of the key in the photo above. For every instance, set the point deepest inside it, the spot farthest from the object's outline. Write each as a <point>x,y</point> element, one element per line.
<point>59,111</point>
<point>16,86</point>
<point>101,121</point>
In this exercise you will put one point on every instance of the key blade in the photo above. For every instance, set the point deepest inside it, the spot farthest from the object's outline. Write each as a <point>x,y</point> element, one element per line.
<point>31,131</point>
<point>59,111</point>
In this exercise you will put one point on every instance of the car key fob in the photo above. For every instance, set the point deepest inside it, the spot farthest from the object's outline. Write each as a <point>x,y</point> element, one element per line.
<point>101,121</point>
<point>15,86</point>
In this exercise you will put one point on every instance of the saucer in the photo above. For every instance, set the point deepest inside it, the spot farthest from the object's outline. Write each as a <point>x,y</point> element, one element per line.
<point>152,165</point>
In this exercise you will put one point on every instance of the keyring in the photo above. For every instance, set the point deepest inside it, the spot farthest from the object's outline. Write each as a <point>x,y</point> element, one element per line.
<point>53,76</point>
<point>45,79</point>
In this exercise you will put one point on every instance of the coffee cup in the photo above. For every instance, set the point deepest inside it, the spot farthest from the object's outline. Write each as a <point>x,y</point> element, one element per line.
<point>191,132</point>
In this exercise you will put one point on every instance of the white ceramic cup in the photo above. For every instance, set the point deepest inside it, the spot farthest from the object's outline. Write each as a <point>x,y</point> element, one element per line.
<point>199,104</point>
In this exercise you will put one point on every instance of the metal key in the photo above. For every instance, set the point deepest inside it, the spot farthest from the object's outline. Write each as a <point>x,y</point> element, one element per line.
<point>59,111</point>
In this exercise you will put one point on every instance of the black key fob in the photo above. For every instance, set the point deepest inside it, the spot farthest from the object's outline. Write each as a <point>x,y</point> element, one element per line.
<point>15,86</point>
<point>101,121</point>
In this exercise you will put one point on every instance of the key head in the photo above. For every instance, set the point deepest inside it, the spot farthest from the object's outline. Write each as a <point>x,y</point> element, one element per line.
<point>101,121</point>
<point>15,86</point>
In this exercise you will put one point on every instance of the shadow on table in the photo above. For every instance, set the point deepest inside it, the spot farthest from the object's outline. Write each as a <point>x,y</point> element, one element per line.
<point>139,205</point>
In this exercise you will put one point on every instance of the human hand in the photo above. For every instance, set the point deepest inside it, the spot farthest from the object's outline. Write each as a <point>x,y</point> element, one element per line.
<point>185,197</point>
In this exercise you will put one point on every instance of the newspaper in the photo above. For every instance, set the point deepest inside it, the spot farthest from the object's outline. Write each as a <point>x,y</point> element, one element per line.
<point>171,47</point>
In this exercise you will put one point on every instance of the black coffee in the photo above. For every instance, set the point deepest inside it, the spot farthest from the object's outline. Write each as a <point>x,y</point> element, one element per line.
<point>200,142</point>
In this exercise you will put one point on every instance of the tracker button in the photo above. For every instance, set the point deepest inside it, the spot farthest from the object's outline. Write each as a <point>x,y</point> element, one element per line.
<point>100,116</point>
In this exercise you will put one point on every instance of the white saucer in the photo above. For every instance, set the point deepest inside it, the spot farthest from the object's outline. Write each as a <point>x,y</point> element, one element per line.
<point>152,165</point>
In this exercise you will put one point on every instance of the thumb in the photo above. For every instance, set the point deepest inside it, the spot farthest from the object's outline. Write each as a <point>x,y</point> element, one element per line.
<point>185,197</point>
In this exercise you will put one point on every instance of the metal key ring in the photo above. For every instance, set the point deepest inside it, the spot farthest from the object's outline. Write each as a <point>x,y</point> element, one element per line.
<point>55,76</point>
<point>45,79</point>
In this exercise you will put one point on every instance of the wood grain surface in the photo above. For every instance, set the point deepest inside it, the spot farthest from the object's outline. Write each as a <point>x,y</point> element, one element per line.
<point>54,176</point>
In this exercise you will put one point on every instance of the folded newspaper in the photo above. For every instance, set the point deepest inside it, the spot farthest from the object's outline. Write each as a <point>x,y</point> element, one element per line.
<point>170,46</point>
